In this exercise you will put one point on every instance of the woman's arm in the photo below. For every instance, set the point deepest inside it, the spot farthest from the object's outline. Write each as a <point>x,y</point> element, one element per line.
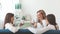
<point>42,30</point>
<point>35,25</point>
<point>11,28</point>
<point>33,22</point>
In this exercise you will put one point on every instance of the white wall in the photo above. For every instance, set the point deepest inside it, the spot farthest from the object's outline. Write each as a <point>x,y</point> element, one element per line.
<point>50,6</point>
<point>7,6</point>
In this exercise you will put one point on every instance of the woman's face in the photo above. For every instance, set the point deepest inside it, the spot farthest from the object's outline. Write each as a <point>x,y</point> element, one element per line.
<point>39,16</point>
<point>12,19</point>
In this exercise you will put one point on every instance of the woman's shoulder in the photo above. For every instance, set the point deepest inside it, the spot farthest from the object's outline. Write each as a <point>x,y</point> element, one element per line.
<point>8,24</point>
<point>51,26</point>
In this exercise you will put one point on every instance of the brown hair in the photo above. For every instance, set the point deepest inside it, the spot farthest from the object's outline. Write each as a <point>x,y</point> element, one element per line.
<point>8,18</point>
<point>51,19</point>
<point>43,13</point>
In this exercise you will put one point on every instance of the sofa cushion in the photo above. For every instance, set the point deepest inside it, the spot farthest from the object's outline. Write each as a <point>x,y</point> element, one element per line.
<point>52,32</point>
<point>6,31</point>
<point>24,31</point>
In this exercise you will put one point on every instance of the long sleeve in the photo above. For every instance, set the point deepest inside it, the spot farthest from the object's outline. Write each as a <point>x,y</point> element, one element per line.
<point>40,31</point>
<point>11,27</point>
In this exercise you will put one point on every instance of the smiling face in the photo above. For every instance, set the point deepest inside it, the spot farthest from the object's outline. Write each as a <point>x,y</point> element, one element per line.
<point>39,15</point>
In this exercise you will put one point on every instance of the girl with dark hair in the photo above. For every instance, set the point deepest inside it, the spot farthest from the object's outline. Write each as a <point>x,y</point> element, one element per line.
<point>52,20</point>
<point>52,25</point>
<point>8,24</point>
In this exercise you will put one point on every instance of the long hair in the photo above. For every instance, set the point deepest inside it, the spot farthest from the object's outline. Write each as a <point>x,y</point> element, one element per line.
<point>51,19</point>
<point>8,18</point>
<point>43,13</point>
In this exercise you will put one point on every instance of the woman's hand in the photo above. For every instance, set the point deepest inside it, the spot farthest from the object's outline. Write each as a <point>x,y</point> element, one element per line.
<point>21,24</point>
<point>35,25</point>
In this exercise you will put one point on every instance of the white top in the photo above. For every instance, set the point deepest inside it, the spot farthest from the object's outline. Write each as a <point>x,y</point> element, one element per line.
<point>49,27</point>
<point>42,30</point>
<point>38,24</point>
<point>11,27</point>
<point>43,24</point>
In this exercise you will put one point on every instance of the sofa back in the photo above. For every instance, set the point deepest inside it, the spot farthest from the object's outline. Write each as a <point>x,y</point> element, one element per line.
<point>26,31</point>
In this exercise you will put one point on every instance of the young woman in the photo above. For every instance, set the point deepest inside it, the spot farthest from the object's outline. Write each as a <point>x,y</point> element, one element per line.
<point>40,21</point>
<point>52,25</point>
<point>9,23</point>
